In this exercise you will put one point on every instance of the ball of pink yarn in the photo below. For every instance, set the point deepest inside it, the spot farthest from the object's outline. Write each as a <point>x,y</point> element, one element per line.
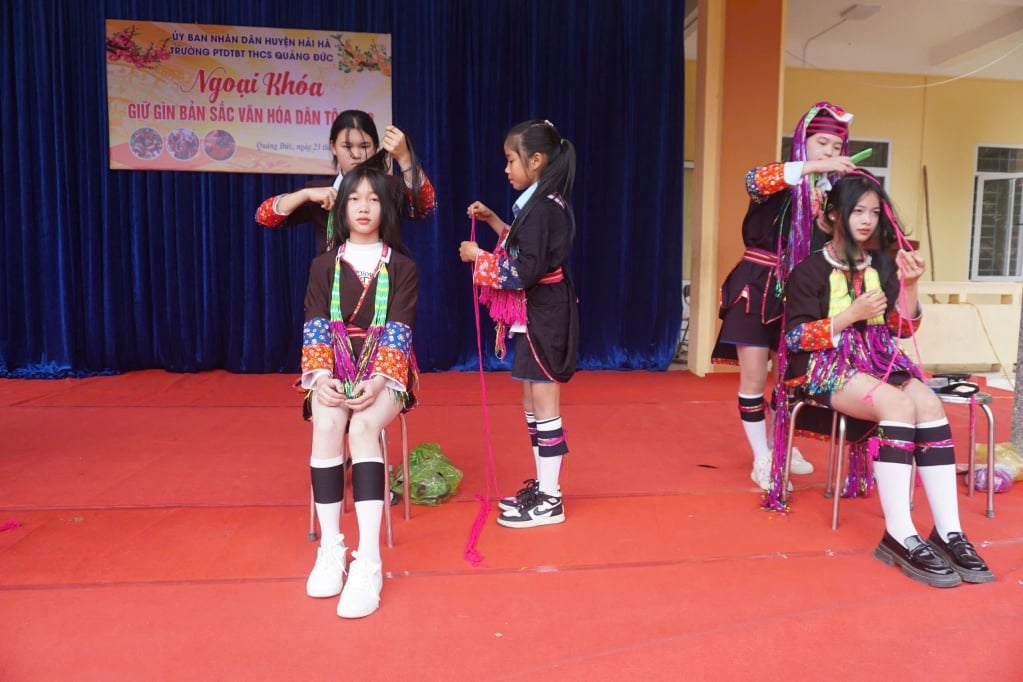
<point>1002,480</point>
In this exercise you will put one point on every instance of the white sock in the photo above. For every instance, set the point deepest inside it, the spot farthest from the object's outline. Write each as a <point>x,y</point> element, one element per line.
<point>756,434</point>
<point>369,513</point>
<point>329,516</point>
<point>940,486</point>
<point>893,490</point>
<point>550,470</point>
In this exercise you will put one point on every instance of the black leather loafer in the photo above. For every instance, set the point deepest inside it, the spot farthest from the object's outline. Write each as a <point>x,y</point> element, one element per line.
<point>962,557</point>
<point>917,560</point>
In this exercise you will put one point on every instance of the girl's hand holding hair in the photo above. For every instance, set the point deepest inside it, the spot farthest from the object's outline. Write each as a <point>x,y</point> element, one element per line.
<point>324,196</point>
<point>396,145</point>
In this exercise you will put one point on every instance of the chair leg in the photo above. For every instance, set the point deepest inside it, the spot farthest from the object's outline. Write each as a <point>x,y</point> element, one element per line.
<point>793,415</point>
<point>838,473</point>
<point>313,536</point>
<point>387,490</point>
<point>404,468</point>
<point>990,511</point>
<point>832,458</point>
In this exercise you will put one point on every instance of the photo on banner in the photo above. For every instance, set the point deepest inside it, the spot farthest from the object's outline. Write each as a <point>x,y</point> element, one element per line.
<point>238,99</point>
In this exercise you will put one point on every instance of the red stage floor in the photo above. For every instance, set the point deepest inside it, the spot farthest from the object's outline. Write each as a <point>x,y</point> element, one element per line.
<point>163,536</point>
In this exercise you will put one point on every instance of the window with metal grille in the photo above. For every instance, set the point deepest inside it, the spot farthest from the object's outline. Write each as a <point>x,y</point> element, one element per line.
<point>997,214</point>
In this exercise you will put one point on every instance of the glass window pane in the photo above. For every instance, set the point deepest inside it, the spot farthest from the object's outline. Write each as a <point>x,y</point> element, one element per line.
<point>995,232</point>
<point>999,160</point>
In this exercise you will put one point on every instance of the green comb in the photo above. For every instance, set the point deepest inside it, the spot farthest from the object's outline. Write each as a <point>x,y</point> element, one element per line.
<point>859,156</point>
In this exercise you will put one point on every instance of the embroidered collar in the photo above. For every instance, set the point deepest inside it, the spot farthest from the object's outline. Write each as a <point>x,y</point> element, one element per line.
<point>836,262</point>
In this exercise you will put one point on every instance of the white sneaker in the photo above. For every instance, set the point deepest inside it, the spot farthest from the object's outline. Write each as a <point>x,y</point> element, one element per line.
<point>361,595</point>
<point>761,474</point>
<point>329,571</point>
<point>537,509</point>
<point>798,465</point>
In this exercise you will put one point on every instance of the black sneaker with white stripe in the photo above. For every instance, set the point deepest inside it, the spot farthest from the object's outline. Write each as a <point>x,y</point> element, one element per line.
<point>508,503</point>
<point>536,509</point>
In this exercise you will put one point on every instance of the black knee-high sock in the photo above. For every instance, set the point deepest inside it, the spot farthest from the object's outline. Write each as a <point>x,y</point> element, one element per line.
<point>328,483</point>
<point>328,480</point>
<point>533,441</point>
<point>368,480</point>
<point>754,423</point>
<point>551,447</point>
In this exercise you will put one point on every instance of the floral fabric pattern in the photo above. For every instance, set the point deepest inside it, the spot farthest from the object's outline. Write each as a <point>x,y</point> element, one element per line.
<point>900,326</point>
<point>266,215</point>
<point>427,200</point>
<point>317,352</point>
<point>496,272</point>
<point>764,181</point>
<point>810,336</point>
<point>392,356</point>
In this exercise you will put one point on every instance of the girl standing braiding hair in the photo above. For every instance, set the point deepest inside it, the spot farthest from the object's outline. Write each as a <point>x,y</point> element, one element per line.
<point>353,140</point>
<point>785,199</point>
<point>526,286</point>
<point>357,360</point>
<point>845,306</point>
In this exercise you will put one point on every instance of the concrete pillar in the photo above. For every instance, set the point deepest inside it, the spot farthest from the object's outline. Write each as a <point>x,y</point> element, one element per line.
<point>740,66</point>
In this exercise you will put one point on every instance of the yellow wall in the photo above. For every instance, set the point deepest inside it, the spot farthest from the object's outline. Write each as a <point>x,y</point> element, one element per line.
<point>939,126</point>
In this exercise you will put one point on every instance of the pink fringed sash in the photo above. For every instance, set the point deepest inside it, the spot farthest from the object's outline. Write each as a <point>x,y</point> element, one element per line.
<point>507,307</point>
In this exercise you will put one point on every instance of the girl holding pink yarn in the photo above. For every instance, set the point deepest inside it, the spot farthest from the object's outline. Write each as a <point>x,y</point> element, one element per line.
<point>527,289</point>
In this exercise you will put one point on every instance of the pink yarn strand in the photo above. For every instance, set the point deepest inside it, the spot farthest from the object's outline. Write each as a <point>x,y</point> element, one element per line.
<point>903,299</point>
<point>472,555</point>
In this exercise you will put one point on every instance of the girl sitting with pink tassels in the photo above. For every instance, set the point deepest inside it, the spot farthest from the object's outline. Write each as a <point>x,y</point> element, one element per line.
<point>845,304</point>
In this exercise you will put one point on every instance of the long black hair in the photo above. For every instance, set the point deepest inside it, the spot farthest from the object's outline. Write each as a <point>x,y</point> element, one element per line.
<point>390,216</point>
<point>557,177</point>
<point>842,199</point>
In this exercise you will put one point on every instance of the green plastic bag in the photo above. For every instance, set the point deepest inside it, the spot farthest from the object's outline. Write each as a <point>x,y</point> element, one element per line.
<point>432,476</point>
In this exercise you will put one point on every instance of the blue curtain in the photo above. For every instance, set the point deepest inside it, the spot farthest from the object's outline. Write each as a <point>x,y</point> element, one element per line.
<point>108,271</point>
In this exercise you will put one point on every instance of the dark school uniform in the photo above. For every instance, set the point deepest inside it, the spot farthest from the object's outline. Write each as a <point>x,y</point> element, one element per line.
<point>537,263</point>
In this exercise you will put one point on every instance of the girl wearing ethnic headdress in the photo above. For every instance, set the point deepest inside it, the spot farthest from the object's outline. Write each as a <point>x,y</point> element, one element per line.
<point>353,140</point>
<point>357,360</point>
<point>785,199</point>
<point>526,286</point>
<point>845,306</point>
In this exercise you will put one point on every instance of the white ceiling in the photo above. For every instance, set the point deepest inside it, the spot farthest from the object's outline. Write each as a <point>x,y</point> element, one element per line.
<point>939,38</point>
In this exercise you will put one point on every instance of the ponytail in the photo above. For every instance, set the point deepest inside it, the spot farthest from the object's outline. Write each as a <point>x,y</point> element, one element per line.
<point>557,177</point>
